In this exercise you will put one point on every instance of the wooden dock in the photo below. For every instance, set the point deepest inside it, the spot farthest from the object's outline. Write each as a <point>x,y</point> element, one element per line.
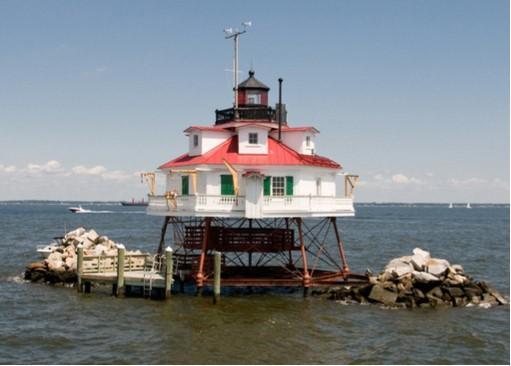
<point>125,271</point>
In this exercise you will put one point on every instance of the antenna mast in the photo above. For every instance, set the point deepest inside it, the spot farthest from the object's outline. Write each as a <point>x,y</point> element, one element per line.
<point>234,34</point>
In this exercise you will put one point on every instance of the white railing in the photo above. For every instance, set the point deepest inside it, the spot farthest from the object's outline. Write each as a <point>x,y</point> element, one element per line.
<point>233,204</point>
<point>220,203</point>
<point>199,202</point>
<point>306,204</point>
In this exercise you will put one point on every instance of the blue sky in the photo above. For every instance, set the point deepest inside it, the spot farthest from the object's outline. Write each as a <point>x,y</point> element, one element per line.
<point>411,95</point>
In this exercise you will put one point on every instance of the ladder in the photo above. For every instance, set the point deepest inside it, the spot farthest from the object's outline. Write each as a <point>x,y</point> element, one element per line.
<point>150,268</point>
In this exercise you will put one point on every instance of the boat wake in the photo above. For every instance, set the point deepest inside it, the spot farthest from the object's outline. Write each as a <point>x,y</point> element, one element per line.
<point>110,212</point>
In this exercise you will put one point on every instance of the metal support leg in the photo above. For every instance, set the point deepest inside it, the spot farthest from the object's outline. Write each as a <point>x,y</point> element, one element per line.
<point>199,277</point>
<point>162,237</point>
<point>306,275</point>
<point>340,244</point>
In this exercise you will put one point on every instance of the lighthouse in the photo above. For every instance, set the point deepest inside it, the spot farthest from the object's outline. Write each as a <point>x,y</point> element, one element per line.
<point>254,187</point>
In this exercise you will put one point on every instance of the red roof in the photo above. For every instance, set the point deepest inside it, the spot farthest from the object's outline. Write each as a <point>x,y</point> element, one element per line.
<point>278,154</point>
<point>205,128</point>
<point>299,129</point>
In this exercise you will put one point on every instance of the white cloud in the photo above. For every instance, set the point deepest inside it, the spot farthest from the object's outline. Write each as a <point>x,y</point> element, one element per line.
<point>83,170</point>
<point>466,182</point>
<point>400,179</point>
<point>50,167</point>
<point>7,169</point>
<point>118,175</point>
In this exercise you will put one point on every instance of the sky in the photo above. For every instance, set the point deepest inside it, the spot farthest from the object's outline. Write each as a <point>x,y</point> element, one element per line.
<point>411,95</point>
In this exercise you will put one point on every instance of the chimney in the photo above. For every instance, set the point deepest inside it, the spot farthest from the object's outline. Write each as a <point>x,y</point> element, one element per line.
<point>279,109</point>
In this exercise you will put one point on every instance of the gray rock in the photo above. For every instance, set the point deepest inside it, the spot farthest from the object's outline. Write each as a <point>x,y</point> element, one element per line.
<point>379,294</point>
<point>455,292</point>
<point>436,292</point>
<point>497,295</point>
<point>460,301</point>
<point>473,291</point>
<point>489,299</point>
<point>419,295</point>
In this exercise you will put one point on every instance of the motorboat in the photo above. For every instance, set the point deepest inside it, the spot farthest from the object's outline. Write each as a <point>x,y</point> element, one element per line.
<point>451,205</point>
<point>78,209</point>
<point>46,250</point>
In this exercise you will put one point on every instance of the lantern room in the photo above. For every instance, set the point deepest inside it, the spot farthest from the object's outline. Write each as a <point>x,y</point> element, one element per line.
<point>252,92</point>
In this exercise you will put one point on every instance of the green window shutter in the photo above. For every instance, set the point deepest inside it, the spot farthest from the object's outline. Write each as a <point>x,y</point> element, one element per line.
<point>226,185</point>
<point>289,186</point>
<point>267,186</point>
<point>184,185</point>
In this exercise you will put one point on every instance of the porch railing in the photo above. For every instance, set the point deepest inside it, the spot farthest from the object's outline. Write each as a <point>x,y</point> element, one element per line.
<point>306,203</point>
<point>270,204</point>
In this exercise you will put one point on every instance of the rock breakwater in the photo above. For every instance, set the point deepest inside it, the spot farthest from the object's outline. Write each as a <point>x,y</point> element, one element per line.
<point>419,280</point>
<point>60,264</point>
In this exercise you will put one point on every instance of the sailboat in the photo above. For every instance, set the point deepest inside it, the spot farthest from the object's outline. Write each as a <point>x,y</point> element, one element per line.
<point>468,205</point>
<point>450,205</point>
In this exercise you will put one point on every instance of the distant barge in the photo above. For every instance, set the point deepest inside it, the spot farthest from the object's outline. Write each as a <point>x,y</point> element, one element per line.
<point>133,203</point>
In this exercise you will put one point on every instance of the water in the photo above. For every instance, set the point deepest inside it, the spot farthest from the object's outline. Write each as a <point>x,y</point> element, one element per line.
<point>44,324</point>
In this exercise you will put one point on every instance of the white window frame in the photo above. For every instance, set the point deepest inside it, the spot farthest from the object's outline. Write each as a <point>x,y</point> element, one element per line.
<point>254,98</point>
<point>278,186</point>
<point>195,141</point>
<point>251,136</point>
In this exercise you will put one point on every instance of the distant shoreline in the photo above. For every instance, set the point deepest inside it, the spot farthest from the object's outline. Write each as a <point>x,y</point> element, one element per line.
<point>361,203</point>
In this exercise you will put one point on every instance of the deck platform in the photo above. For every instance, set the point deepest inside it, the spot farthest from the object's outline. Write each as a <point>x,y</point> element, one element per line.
<point>134,278</point>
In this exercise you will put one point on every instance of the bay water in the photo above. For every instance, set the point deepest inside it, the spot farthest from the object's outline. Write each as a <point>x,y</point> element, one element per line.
<point>54,324</point>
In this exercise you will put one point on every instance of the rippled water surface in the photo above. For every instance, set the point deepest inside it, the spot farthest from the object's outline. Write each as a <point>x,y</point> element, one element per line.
<point>43,324</point>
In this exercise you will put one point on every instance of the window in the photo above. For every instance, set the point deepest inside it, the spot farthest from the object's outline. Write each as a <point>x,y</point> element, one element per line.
<point>195,140</point>
<point>308,141</point>
<point>254,98</point>
<point>278,185</point>
<point>226,185</point>
<point>252,138</point>
<point>318,187</point>
<point>184,185</point>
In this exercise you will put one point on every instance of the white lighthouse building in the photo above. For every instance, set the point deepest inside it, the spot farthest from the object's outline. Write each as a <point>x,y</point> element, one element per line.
<point>253,187</point>
<point>240,167</point>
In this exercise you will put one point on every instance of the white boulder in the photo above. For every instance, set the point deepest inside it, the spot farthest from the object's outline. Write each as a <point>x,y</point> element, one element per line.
<point>420,258</point>
<point>75,233</point>
<point>424,277</point>
<point>456,268</point>
<point>71,263</point>
<point>437,267</point>
<point>100,249</point>
<point>92,235</point>
<point>55,262</point>
<point>398,267</point>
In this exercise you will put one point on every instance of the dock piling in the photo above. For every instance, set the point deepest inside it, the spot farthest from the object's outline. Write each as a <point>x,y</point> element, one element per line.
<point>79,267</point>
<point>216,283</point>
<point>168,271</point>
<point>119,287</point>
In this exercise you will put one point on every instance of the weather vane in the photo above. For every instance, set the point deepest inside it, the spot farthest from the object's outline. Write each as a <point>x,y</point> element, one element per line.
<point>234,33</point>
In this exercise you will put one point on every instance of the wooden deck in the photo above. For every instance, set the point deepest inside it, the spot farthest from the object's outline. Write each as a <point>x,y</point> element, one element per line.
<point>126,270</point>
<point>133,278</point>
